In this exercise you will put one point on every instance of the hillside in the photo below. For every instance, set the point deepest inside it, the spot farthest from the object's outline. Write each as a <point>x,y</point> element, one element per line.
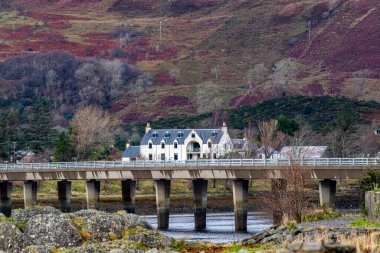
<point>238,51</point>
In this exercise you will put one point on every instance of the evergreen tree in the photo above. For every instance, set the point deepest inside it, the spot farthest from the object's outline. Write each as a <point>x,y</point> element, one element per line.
<point>41,132</point>
<point>63,151</point>
<point>11,131</point>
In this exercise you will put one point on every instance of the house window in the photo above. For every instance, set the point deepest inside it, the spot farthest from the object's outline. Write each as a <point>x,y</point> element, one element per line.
<point>209,145</point>
<point>150,157</point>
<point>162,145</point>
<point>193,135</point>
<point>150,145</point>
<point>175,157</point>
<point>214,155</point>
<point>175,145</point>
<point>162,157</point>
<point>204,155</point>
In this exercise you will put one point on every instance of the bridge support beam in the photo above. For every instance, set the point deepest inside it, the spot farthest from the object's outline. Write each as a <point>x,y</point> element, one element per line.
<point>327,190</point>
<point>279,187</point>
<point>6,198</point>
<point>92,194</point>
<point>200,203</point>
<point>128,190</point>
<point>30,193</point>
<point>64,195</point>
<point>240,198</point>
<point>163,203</point>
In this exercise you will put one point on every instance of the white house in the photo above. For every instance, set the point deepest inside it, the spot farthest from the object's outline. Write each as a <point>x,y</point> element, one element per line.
<point>180,144</point>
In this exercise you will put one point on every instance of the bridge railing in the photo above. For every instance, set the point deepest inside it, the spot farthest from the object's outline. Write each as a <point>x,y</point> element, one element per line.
<point>196,163</point>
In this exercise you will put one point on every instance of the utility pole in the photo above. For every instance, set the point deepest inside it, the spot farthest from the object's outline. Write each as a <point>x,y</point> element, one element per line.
<point>309,31</point>
<point>14,151</point>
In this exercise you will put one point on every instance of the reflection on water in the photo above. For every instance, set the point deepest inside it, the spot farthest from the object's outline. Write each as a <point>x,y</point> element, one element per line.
<point>220,226</point>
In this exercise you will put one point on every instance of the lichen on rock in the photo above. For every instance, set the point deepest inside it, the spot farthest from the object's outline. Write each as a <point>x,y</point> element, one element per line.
<point>52,230</point>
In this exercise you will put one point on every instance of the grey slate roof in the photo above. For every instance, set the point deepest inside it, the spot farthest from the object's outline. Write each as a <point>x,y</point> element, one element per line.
<point>132,152</point>
<point>173,134</point>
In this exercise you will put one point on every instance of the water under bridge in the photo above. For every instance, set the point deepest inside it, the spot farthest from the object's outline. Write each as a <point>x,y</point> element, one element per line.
<point>239,171</point>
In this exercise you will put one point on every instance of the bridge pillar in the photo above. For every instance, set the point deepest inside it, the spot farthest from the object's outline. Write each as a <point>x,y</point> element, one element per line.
<point>200,202</point>
<point>6,198</point>
<point>240,198</point>
<point>279,187</point>
<point>64,195</point>
<point>92,194</point>
<point>327,190</point>
<point>163,203</point>
<point>128,189</point>
<point>30,193</point>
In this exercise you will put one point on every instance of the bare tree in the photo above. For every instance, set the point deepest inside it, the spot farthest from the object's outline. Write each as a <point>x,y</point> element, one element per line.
<point>284,72</point>
<point>288,200</point>
<point>361,80</point>
<point>257,74</point>
<point>367,143</point>
<point>143,82</point>
<point>270,137</point>
<point>215,70</point>
<point>175,73</point>
<point>92,128</point>
<point>208,99</point>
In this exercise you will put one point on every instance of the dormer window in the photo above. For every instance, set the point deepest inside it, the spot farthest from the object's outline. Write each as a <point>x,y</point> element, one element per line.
<point>163,145</point>
<point>214,133</point>
<point>155,134</point>
<point>180,134</point>
<point>150,145</point>
<point>167,134</point>
<point>193,135</point>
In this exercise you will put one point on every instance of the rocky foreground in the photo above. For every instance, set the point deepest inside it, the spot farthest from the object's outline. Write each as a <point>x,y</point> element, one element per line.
<point>46,230</point>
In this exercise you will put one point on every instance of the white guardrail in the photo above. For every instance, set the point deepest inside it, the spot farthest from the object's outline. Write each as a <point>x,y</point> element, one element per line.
<point>195,163</point>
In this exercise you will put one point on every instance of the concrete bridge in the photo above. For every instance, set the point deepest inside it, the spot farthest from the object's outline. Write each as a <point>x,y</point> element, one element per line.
<point>239,171</point>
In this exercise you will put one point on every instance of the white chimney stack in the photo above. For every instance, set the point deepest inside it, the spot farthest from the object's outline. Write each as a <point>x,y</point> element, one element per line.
<point>147,128</point>
<point>224,127</point>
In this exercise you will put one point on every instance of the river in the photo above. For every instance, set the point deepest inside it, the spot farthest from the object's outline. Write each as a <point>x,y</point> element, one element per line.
<point>220,226</point>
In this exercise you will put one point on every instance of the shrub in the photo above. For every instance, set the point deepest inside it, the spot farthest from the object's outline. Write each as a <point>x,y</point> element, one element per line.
<point>324,214</point>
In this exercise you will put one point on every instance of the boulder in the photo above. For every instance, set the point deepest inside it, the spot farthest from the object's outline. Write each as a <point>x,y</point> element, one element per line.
<point>133,220</point>
<point>117,251</point>
<point>11,238</point>
<point>21,216</point>
<point>37,249</point>
<point>150,238</point>
<point>101,226</point>
<point>88,248</point>
<point>52,230</point>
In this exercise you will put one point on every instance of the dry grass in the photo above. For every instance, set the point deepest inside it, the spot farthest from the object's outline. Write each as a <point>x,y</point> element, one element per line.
<point>363,243</point>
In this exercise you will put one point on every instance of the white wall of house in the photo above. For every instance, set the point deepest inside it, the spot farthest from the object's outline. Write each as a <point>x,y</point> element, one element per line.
<point>169,152</point>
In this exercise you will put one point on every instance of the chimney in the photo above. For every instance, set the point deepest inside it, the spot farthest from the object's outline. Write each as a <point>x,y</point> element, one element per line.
<point>147,128</point>
<point>224,127</point>
<point>128,144</point>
